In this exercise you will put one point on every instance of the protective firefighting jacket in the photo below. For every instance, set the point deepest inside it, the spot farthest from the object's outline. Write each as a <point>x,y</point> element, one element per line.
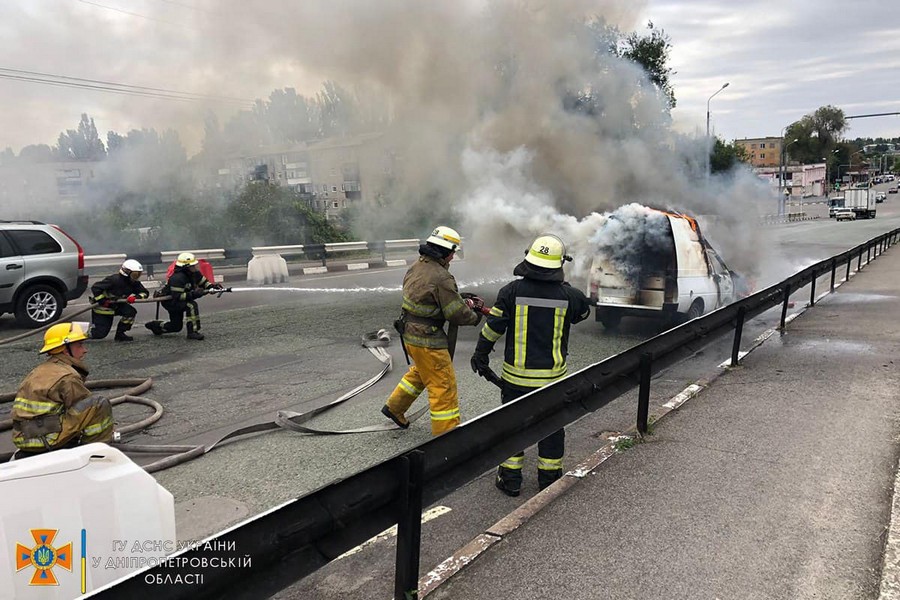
<point>184,283</point>
<point>430,298</point>
<point>116,287</point>
<point>42,399</point>
<point>535,313</point>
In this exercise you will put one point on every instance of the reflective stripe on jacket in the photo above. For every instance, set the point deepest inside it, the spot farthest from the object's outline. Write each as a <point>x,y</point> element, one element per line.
<point>48,391</point>
<point>117,287</point>
<point>430,293</point>
<point>535,316</point>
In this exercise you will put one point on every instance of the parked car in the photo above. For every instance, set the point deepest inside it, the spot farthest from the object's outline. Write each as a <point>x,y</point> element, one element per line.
<point>41,269</point>
<point>679,278</point>
<point>845,214</point>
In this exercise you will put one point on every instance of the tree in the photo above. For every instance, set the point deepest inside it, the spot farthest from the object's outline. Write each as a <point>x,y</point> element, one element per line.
<point>725,157</point>
<point>7,157</point>
<point>37,153</point>
<point>82,144</point>
<point>816,134</point>
<point>651,51</point>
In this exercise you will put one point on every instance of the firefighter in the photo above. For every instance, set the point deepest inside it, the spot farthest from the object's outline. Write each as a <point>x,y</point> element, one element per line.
<point>431,298</point>
<point>53,408</point>
<point>108,298</point>
<point>185,285</point>
<point>536,313</point>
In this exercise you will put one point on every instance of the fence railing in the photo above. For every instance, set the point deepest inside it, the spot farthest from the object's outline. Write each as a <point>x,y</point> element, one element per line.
<point>312,252</point>
<point>287,543</point>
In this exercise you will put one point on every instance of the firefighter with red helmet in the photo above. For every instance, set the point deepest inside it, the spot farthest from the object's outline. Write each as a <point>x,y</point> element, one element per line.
<point>53,408</point>
<point>431,298</point>
<point>185,286</point>
<point>535,312</point>
<point>115,295</point>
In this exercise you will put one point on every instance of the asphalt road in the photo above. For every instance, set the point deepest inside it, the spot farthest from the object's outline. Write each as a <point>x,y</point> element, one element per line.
<point>271,350</point>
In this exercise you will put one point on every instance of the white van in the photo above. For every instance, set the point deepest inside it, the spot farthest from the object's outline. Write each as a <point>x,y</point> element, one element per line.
<point>682,280</point>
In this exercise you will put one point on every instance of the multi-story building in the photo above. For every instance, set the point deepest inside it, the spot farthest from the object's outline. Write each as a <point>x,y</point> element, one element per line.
<point>25,187</point>
<point>801,181</point>
<point>763,152</point>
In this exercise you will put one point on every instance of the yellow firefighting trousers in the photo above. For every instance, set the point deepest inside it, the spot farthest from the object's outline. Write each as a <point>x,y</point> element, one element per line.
<point>432,370</point>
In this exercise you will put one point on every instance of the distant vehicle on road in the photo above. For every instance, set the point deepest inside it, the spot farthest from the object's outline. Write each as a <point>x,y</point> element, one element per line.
<point>880,197</point>
<point>861,202</point>
<point>845,214</point>
<point>835,203</point>
<point>892,190</point>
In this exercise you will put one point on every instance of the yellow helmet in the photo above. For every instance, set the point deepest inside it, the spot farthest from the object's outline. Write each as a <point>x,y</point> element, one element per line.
<point>547,251</point>
<point>64,333</point>
<point>444,237</point>
<point>186,259</point>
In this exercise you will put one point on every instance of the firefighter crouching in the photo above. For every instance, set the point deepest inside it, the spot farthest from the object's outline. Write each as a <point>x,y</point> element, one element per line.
<point>535,312</point>
<point>430,297</point>
<point>185,285</point>
<point>109,295</point>
<point>53,408</point>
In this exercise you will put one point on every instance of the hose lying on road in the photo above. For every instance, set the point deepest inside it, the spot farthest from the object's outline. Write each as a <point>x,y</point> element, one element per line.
<point>22,336</point>
<point>131,395</point>
<point>375,342</point>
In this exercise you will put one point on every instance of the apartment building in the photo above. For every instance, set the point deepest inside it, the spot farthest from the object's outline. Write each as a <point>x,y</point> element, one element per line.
<point>25,187</point>
<point>763,152</point>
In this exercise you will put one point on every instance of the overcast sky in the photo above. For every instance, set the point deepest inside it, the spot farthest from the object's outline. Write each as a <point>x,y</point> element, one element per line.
<point>782,59</point>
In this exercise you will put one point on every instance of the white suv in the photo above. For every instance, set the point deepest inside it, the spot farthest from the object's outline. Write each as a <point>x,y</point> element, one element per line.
<point>41,269</point>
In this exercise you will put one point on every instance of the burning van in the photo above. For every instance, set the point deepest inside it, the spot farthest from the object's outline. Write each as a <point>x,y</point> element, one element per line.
<point>652,263</point>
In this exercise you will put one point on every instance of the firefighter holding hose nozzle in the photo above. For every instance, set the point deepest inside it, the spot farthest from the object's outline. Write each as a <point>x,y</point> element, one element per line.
<point>535,312</point>
<point>53,408</point>
<point>431,298</point>
<point>115,296</point>
<point>185,286</point>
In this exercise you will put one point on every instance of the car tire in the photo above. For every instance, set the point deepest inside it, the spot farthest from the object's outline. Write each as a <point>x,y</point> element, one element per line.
<point>39,305</point>
<point>695,311</point>
<point>611,321</point>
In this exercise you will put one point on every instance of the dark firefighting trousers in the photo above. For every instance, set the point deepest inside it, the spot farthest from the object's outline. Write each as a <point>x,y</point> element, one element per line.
<point>102,319</point>
<point>550,451</point>
<point>179,312</point>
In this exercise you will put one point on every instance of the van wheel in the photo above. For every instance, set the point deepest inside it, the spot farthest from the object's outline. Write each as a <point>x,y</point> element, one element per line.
<point>38,306</point>
<point>695,311</point>
<point>611,321</point>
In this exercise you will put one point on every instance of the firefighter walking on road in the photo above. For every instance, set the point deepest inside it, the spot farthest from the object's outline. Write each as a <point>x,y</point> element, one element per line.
<point>535,312</point>
<point>185,285</point>
<point>431,298</point>
<point>115,296</point>
<point>53,408</point>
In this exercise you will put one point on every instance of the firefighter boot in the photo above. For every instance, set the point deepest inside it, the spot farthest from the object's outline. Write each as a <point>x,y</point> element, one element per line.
<point>193,334</point>
<point>155,327</point>
<point>509,481</point>
<point>400,421</point>
<point>547,477</point>
<point>121,336</point>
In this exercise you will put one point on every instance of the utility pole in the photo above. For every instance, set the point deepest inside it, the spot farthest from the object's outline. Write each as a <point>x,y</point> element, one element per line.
<point>708,148</point>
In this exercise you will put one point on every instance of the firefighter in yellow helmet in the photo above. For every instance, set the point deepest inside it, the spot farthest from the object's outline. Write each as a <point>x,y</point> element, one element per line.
<point>431,298</point>
<point>185,285</point>
<point>535,312</point>
<point>53,408</point>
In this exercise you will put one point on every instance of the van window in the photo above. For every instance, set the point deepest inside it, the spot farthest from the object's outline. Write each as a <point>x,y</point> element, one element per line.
<point>718,266</point>
<point>32,241</point>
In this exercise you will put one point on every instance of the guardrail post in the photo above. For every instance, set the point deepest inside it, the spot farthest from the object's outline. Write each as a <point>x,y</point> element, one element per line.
<point>738,331</point>
<point>644,393</point>
<point>833,273</point>
<point>849,261</point>
<point>812,289</point>
<point>409,527</point>
<point>784,306</point>
<point>859,261</point>
<point>868,253</point>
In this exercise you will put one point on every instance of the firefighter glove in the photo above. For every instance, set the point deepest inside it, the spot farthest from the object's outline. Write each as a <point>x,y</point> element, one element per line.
<point>198,293</point>
<point>106,303</point>
<point>217,286</point>
<point>130,299</point>
<point>481,363</point>
<point>476,303</point>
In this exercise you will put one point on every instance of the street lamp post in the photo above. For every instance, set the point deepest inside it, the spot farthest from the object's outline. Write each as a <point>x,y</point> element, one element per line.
<point>708,149</point>
<point>781,187</point>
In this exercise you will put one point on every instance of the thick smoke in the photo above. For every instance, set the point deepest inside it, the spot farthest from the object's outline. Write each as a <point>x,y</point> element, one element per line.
<point>480,95</point>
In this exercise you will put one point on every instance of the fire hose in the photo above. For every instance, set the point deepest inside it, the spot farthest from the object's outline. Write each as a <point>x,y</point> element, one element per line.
<point>375,342</point>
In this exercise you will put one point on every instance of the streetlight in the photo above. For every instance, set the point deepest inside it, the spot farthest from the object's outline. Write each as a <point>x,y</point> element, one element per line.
<point>708,149</point>
<point>781,186</point>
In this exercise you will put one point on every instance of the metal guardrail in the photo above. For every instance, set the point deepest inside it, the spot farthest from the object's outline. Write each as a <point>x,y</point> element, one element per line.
<point>313,252</point>
<point>287,543</point>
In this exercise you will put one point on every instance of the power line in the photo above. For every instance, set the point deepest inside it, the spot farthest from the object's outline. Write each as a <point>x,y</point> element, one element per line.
<point>132,14</point>
<point>112,87</point>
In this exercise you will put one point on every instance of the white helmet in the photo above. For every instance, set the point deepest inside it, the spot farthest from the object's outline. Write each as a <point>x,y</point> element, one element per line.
<point>444,237</point>
<point>131,266</point>
<point>547,251</point>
